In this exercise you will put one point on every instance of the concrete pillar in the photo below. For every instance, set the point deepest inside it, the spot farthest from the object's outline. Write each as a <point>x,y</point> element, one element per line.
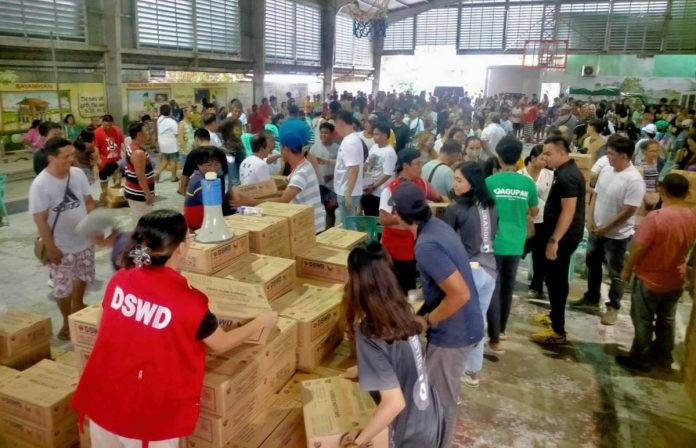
<point>111,28</point>
<point>377,47</point>
<point>328,45</point>
<point>258,18</point>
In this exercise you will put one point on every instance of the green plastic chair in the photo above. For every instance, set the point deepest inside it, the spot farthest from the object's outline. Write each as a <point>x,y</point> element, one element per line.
<point>3,207</point>
<point>571,268</point>
<point>367,224</point>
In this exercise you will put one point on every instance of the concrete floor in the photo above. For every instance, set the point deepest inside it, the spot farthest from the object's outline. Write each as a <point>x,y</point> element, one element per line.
<point>571,396</point>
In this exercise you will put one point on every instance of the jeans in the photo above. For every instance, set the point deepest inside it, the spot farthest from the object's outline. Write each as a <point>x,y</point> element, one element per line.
<point>600,249</point>
<point>485,284</point>
<point>501,302</point>
<point>648,307</point>
<point>445,369</point>
<point>345,213</point>
<point>556,276</point>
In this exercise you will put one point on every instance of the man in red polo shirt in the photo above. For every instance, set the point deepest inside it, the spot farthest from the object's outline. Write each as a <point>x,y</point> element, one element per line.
<point>265,109</point>
<point>108,140</point>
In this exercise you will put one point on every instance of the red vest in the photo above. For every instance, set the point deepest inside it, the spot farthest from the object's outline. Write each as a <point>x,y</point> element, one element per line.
<point>400,243</point>
<point>144,377</point>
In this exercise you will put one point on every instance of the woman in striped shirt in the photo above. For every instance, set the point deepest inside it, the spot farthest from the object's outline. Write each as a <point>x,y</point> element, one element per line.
<point>140,176</point>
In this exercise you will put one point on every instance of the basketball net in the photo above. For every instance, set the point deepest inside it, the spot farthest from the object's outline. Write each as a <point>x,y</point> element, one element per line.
<point>371,22</point>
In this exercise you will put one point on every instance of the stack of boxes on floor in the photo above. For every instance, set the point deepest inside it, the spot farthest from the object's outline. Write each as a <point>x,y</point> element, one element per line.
<point>273,263</point>
<point>25,338</point>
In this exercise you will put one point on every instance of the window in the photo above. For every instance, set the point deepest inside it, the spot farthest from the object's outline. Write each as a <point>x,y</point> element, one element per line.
<point>65,19</point>
<point>637,25</point>
<point>399,38</point>
<point>583,25</point>
<point>202,25</point>
<point>523,23</point>
<point>350,50</point>
<point>293,32</point>
<point>681,29</point>
<point>437,26</point>
<point>481,28</point>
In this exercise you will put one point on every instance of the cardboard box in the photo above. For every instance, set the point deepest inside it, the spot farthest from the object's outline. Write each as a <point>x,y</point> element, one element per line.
<point>290,433</point>
<point>341,238</point>
<point>41,395</point>
<point>209,258</point>
<point>317,311</point>
<point>301,220</point>
<point>81,356</point>
<point>280,181</point>
<point>7,374</point>
<point>438,208</point>
<point>232,375</point>
<point>231,316</point>
<point>275,409</point>
<point>20,330</point>
<point>66,357</point>
<point>299,281</point>
<point>27,357</point>
<point>583,161</point>
<point>251,278</point>
<point>257,190</point>
<point>324,263</point>
<point>333,407</point>
<point>292,390</point>
<point>268,235</point>
<point>84,325</point>
<point>310,357</point>
<point>115,198</point>
<point>19,432</point>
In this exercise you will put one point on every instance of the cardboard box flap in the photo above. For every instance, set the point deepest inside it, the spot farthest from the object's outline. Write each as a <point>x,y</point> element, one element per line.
<point>258,189</point>
<point>254,268</point>
<point>327,255</point>
<point>251,223</point>
<point>274,410</point>
<point>7,374</point>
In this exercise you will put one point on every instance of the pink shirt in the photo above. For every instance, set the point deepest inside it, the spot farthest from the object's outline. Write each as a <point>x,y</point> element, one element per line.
<point>33,138</point>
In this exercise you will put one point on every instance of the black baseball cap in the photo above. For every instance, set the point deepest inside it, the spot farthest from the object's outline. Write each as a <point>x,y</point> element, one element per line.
<point>408,198</point>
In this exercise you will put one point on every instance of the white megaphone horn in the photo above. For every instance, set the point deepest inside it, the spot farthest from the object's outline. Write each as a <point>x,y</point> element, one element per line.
<point>214,229</point>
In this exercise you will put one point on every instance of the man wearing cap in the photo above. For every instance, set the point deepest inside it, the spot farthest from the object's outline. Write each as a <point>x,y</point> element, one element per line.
<point>451,313</point>
<point>398,239</point>
<point>566,118</point>
<point>296,125</point>
<point>348,171</point>
<point>303,185</point>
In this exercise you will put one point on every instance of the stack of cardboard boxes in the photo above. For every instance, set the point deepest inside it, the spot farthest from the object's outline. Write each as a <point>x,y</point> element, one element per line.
<point>35,407</point>
<point>25,338</point>
<point>83,333</point>
<point>300,220</point>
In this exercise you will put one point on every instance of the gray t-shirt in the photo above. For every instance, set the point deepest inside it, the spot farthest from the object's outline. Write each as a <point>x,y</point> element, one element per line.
<point>439,175</point>
<point>47,193</point>
<point>383,366</point>
<point>467,221</point>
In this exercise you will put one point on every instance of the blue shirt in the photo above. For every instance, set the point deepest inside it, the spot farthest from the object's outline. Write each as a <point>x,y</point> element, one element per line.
<point>439,253</point>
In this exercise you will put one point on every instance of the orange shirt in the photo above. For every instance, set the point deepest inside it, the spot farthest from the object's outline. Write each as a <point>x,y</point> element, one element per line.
<point>667,234</point>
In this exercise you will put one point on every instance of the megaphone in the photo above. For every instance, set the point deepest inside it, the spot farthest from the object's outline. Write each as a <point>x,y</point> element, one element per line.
<point>213,229</point>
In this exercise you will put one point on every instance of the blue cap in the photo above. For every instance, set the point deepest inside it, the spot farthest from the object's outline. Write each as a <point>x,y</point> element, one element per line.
<point>292,141</point>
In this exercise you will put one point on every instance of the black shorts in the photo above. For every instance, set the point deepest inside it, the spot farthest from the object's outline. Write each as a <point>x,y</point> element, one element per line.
<point>516,126</point>
<point>109,169</point>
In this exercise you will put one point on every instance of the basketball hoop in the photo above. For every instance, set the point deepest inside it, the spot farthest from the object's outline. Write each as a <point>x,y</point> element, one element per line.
<point>545,54</point>
<point>370,23</point>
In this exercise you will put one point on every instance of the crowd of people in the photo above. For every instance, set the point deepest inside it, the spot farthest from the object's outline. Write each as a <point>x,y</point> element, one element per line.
<point>502,165</point>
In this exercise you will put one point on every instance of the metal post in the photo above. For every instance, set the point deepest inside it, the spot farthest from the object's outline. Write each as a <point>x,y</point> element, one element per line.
<point>55,75</point>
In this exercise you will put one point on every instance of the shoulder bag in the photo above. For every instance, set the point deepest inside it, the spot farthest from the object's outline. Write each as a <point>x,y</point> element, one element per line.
<point>39,244</point>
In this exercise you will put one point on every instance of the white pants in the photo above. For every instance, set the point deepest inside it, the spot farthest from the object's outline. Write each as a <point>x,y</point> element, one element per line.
<point>138,209</point>
<point>101,438</point>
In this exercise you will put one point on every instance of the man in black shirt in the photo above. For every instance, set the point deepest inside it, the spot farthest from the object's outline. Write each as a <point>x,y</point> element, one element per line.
<point>202,144</point>
<point>401,131</point>
<point>47,130</point>
<point>563,227</point>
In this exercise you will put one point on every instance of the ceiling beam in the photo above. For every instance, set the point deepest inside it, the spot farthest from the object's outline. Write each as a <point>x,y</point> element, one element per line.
<point>418,8</point>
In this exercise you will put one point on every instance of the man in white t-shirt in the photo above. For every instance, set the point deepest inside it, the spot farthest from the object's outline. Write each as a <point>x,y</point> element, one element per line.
<point>380,167</point>
<point>490,136</point>
<point>59,198</point>
<point>348,174</point>
<point>167,130</point>
<point>325,150</point>
<point>616,198</point>
<point>254,168</point>
<point>415,122</point>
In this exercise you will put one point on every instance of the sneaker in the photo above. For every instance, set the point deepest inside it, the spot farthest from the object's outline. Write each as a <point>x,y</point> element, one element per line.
<point>50,282</point>
<point>532,294</point>
<point>632,363</point>
<point>495,348</point>
<point>503,337</point>
<point>471,379</point>
<point>584,303</point>
<point>610,316</point>
<point>542,319</point>
<point>548,337</point>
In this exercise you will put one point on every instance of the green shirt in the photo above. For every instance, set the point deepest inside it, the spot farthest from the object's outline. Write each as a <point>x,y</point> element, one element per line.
<point>514,193</point>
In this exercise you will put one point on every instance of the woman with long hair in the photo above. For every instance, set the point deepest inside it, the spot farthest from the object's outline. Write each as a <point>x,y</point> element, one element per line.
<point>391,360</point>
<point>472,214</point>
<point>143,380</point>
<point>71,130</point>
<point>535,169</point>
<point>424,142</point>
